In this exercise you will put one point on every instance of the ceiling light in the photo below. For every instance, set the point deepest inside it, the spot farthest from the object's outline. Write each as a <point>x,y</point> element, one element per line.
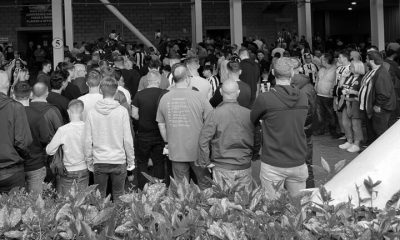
<point>353,3</point>
<point>350,9</point>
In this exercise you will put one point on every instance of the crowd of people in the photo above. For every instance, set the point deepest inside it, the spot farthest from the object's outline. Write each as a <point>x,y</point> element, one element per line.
<point>196,113</point>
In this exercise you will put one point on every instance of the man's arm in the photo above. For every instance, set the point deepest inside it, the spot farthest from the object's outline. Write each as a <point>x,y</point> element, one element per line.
<point>206,135</point>
<point>128,140</point>
<point>135,112</point>
<point>89,143</point>
<point>163,131</point>
<point>258,109</point>
<point>54,144</point>
<point>23,137</point>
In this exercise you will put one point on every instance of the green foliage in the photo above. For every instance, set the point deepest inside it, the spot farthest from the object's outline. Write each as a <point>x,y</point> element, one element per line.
<point>183,211</point>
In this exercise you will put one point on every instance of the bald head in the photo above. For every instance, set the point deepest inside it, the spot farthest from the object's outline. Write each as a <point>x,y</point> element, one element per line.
<point>180,73</point>
<point>230,90</point>
<point>40,90</point>
<point>4,82</point>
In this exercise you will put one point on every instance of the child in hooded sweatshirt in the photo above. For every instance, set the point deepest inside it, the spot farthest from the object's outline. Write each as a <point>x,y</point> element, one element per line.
<point>108,141</point>
<point>71,138</point>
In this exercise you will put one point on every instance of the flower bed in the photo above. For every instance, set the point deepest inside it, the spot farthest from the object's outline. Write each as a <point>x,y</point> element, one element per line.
<point>183,211</point>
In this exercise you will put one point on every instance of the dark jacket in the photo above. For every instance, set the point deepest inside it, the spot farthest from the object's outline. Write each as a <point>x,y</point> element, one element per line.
<point>44,120</point>
<point>14,131</point>
<point>304,84</point>
<point>283,111</point>
<point>243,99</point>
<point>250,75</point>
<point>230,133</point>
<point>61,103</point>
<point>382,92</point>
<point>71,91</point>
<point>80,82</point>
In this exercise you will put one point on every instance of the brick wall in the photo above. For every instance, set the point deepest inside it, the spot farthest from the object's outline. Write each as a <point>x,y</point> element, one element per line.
<point>94,21</point>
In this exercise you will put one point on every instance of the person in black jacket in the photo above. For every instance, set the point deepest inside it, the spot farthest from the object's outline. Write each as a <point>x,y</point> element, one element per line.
<point>44,120</point>
<point>250,73</point>
<point>14,141</point>
<point>71,91</point>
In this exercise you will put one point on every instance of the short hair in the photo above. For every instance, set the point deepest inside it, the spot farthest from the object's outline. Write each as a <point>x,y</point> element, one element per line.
<point>57,78</point>
<point>66,66</point>
<point>154,63</point>
<point>179,77</point>
<point>376,57</point>
<point>40,89</point>
<point>76,104</point>
<point>359,67</point>
<point>108,86</point>
<point>208,68</point>
<point>283,67</point>
<point>107,71</point>
<point>45,63</point>
<point>154,78</point>
<point>233,67</point>
<point>244,52</point>
<point>345,54</point>
<point>22,90</point>
<point>191,60</point>
<point>328,58</point>
<point>93,78</point>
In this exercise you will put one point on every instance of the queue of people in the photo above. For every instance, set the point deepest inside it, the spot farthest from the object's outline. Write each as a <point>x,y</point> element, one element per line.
<point>197,114</point>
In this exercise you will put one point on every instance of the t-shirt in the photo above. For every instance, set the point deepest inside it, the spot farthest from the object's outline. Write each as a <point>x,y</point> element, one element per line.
<point>183,111</point>
<point>131,79</point>
<point>202,85</point>
<point>243,98</point>
<point>144,82</point>
<point>89,100</point>
<point>147,103</point>
<point>71,91</point>
<point>126,93</point>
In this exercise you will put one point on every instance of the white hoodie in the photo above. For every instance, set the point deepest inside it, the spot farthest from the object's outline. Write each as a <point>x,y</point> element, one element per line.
<point>108,136</point>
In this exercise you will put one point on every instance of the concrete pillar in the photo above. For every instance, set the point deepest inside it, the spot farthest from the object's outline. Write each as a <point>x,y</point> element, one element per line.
<point>377,24</point>
<point>304,20</point>
<point>58,31</point>
<point>236,22</point>
<point>197,22</point>
<point>69,24</point>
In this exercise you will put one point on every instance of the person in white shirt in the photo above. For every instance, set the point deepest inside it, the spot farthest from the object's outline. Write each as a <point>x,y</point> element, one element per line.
<point>197,82</point>
<point>89,100</point>
<point>70,138</point>
<point>108,144</point>
<point>121,85</point>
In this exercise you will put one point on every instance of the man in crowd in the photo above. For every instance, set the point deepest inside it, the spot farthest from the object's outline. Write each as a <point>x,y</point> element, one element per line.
<point>71,91</point>
<point>250,73</point>
<point>283,111</point>
<point>394,71</point>
<point>79,79</point>
<point>14,141</point>
<point>154,67</point>
<point>131,76</point>
<point>108,141</point>
<point>44,74</point>
<point>90,99</point>
<point>58,82</point>
<point>377,97</point>
<point>44,120</point>
<point>230,133</point>
<point>148,141</point>
<point>71,138</point>
<point>181,114</point>
<point>309,68</point>
<point>324,87</point>
<point>197,82</point>
<point>213,80</point>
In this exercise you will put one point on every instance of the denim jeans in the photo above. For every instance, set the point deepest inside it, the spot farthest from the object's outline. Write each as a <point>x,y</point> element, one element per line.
<point>116,173</point>
<point>294,179</point>
<point>325,113</point>
<point>146,148</point>
<point>309,161</point>
<point>181,170</point>
<point>15,180</point>
<point>242,178</point>
<point>34,180</point>
<point>66,181</point>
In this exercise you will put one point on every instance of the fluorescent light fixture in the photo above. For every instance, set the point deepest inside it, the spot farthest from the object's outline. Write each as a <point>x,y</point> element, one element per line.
<point>350,9</point>
<point>353,3</point>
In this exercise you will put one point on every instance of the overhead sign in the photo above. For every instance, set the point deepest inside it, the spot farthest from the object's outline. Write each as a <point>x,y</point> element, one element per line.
<point>57,43</point>
<point>36,16</point>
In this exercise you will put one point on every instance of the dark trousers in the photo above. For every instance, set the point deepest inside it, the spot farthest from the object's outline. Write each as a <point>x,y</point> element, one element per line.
<point>309,161</point>
<point>146,148</point>
<point>377,124</point>
<point>326,115</point>
<point>116,173</point>
<point>16,180</point>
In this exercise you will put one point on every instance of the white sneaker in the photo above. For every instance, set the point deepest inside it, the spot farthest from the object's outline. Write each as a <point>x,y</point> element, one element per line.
<point>345,145</point>
<point>353,149</point>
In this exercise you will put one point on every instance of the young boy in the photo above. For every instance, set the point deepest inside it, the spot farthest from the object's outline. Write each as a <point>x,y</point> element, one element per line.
<point>109,141</point>
<point>71,138</point>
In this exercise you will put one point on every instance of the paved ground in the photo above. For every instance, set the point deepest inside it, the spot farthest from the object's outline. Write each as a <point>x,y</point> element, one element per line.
<point>324,146</point>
